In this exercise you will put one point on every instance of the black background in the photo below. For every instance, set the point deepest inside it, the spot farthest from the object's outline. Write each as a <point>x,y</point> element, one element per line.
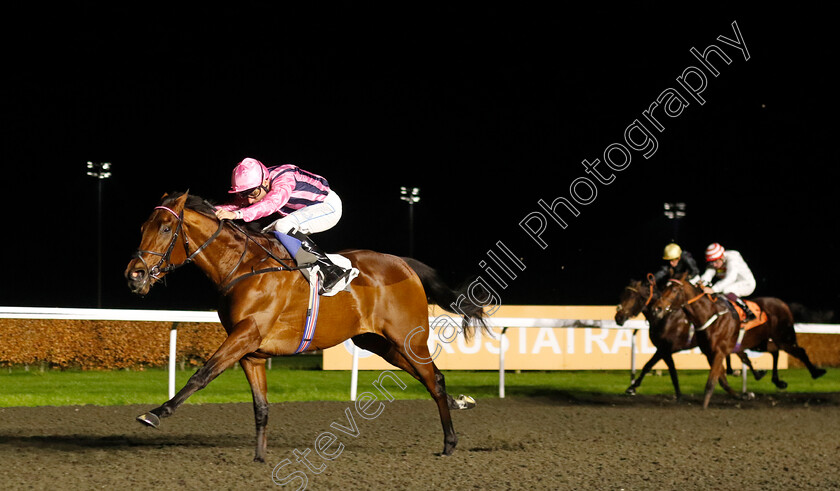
<point>485,109</point>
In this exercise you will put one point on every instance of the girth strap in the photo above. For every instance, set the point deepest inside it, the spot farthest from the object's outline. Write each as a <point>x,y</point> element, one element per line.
<point>311,313</point>
<point>711,321</point>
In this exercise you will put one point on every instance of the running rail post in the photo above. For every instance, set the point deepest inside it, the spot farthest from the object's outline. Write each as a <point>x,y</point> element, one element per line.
<point>173,338</point>
<point>633,355</point>
<point>502,364</point>
<point>354,374</point>
<point>744,377</point>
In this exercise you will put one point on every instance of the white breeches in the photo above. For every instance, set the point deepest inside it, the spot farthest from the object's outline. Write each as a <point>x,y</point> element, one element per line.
<point>742,288</point>
<point>311,219</point>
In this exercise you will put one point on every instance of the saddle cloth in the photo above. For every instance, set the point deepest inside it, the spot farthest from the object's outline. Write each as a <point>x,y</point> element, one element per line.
<point>760,315</point>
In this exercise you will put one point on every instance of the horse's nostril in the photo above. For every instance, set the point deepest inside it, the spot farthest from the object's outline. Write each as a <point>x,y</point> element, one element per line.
<point>137,274</point>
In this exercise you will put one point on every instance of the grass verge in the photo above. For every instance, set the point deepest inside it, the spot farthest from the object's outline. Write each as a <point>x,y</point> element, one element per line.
<point>300,379</point>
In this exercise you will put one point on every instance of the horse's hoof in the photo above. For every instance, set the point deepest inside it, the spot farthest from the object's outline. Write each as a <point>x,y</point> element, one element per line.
<point>630,391</point>
<point>465,402</point>
<point>781,384</point>
<point>819,372</point>
<point>749,396</point>
<point>149,419</point>
<point>759,374</point>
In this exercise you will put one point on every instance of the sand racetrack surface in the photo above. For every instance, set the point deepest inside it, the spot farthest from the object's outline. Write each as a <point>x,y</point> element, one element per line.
<point>559,441</point>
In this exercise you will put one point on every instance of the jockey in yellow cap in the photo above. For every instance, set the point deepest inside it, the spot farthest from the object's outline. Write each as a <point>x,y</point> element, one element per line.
<point>678,262</point>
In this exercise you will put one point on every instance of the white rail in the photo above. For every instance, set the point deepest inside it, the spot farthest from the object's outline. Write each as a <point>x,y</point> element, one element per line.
<point>176,316</point>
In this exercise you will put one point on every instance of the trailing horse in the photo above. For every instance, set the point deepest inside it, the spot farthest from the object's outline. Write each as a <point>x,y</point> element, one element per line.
<point>719,330</point>
<point>264,301</point>
<point>669,334</point>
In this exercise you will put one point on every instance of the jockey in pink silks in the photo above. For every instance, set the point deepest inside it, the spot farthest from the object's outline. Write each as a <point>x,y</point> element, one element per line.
<point>305,201</point>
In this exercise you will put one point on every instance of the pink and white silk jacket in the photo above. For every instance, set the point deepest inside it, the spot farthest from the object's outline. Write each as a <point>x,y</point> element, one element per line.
<point>292,188</point>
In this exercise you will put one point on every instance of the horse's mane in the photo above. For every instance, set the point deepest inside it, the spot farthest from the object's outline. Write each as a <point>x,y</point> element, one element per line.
<point>194,202</point>
<point>207,208</point>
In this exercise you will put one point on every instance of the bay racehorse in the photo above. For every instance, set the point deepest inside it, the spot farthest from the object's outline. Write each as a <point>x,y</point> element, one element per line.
<point>719,331</point>
<point>669,334</point>
<point>264,299</point>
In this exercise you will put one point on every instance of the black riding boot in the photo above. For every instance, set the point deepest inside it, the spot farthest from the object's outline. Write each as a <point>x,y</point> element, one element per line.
<point>330,272</point>
<point>748,313</point>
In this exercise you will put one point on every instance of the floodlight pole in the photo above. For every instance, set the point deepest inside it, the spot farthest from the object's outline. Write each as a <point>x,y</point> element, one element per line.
<point>674,212</point>
<point>411,198</point>
<point>101,171</point>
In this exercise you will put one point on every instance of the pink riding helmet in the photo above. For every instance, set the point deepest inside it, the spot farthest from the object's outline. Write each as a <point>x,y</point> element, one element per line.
<point>247,174</point>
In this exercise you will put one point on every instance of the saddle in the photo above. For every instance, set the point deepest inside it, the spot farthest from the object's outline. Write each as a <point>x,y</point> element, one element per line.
<point>738,313</point>
<point>315,259</point>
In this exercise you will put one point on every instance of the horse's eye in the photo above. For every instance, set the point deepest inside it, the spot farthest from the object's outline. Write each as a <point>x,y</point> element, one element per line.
<point>165,229</point>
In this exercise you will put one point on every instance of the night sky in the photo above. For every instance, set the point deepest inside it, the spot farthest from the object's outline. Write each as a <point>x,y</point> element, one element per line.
<point>486,110</point>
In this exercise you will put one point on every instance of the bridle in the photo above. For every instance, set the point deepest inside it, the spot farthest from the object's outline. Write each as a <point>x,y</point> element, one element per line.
<point>158,269</point>
<point>690,301</point>
<point>165,257</point>
<point>650,291</point>
<point>675,281</point>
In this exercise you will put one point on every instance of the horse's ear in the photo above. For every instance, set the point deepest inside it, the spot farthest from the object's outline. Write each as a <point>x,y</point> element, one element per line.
<point>163,197</point>
<point>179,202</point>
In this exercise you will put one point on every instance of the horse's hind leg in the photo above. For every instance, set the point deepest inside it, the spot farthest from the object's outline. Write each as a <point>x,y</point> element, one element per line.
<point>419,365</point>
<point>777,381</point>
<point>799,352</point>
<point>254,369</point>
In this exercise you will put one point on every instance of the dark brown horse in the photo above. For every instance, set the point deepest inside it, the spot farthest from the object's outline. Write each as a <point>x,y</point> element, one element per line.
<point>264,300</point>
<point>719,330</point>
<point>669,334</point>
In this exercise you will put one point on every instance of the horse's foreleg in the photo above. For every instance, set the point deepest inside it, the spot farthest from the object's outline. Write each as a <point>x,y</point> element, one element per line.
<point>745,361</point>
<point>254,369</point>
<point>672,370</point>
<point>636,382</point>
<point>724,383</point>
<point>716,371</point>
<point>243,339</point>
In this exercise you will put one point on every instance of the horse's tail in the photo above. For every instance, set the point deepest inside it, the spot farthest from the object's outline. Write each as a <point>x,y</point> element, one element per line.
<point>451,300</point>
<point>802,313</point>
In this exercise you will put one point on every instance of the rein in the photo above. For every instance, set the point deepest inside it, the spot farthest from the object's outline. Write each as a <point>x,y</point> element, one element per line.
<point>711,319</point>
<point>283,266</point>
<point>650,294</point>
<point>651,284</point>
<point>158,269</point>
